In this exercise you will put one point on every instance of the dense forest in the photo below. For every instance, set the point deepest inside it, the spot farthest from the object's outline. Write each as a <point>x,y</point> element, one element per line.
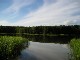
<point>62,29</point>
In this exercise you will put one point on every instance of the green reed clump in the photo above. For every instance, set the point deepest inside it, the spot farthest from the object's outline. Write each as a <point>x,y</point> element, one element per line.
<point>10,46</point>
<point>75,49</point>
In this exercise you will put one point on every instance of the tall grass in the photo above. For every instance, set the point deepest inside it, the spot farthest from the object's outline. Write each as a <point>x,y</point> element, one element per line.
<point>75,49</point>
<point>10,46</point>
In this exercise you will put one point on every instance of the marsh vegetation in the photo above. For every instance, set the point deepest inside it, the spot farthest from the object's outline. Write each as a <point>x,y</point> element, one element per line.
<point>10,46</point>
<point>75,49</point>
<point>14,38</point>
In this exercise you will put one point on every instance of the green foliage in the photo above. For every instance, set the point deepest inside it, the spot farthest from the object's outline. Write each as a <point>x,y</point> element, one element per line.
<point>75,49</point>
<point>19,30</point>
<point>10,46</point>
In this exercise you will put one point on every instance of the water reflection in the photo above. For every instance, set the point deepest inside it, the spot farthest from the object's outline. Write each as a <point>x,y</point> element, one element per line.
<point>45,51</point>
<point>26,55</point>
<point>50,39</point>
<point>46,48</point>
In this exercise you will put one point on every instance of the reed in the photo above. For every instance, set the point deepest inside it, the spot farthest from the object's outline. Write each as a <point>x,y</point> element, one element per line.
<point>75,49</point>
<point>10,46</point>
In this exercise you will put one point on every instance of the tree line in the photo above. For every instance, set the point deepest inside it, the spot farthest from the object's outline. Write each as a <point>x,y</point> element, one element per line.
<point>62,29</point>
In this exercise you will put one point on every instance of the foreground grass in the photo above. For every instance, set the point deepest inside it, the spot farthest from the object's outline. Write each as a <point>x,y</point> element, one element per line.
<point>75,49</point>
<point>10,46</point>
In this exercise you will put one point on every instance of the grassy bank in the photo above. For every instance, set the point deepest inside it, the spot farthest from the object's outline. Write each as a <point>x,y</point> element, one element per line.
<point>10,46</point>
<point>75,49</point>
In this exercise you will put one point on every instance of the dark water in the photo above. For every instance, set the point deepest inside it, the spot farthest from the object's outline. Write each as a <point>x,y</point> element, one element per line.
<point>46,48</point>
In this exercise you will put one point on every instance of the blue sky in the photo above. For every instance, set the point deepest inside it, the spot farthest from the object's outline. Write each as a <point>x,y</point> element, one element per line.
<point>39,12</point>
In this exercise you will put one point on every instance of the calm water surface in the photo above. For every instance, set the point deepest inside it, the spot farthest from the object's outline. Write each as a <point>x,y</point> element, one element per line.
<point>41,49</point>
<point>45,51</point>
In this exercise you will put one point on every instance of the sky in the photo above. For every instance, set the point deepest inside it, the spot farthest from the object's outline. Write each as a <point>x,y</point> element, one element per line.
<point>39,12</point>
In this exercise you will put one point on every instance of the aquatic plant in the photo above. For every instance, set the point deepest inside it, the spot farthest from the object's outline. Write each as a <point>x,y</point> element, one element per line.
<point>75,49</point>
<point>10,46</point>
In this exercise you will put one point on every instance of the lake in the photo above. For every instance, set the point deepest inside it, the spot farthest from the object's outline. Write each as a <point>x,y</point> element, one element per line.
<point>46,48</point>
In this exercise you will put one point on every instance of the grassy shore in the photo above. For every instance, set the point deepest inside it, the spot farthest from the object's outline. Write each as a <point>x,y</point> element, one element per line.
<point>10,46</point>
<point>75,49</point>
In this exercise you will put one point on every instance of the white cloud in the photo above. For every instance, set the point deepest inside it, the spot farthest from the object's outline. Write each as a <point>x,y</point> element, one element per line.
<point>17,5</point>
<point>4,22</point>
<point>75,20</point>
<point>52,14</point>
